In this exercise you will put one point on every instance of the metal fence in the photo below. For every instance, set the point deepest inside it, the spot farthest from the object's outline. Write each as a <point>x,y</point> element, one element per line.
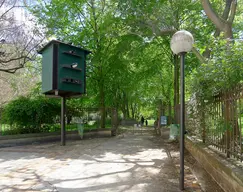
<point>219,123</point>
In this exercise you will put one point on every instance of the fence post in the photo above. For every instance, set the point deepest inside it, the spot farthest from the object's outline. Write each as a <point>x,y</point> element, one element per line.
<point>227,121</point>
<point>203,125</point>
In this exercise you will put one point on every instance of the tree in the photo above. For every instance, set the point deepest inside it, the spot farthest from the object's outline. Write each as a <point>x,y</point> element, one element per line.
<point>20,83</point>
<point>225,22</point>
<point>93,24</point>
<point>18,36</point>
<point>130,44</point>
<point>222,70</point>
<point>154,19</point>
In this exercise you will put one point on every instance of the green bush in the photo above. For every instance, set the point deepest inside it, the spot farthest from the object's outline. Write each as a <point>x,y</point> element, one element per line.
<point>30,114</point>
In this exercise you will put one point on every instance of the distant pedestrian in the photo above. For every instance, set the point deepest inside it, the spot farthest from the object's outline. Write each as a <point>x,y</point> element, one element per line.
<point>146,123</point>
<point>142,120</point>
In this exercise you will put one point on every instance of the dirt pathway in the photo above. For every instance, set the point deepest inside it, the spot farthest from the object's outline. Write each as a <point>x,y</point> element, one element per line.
<point>130,163</point>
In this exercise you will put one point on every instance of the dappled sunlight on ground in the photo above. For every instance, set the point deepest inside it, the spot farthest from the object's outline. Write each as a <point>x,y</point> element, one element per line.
<point>133,163</point>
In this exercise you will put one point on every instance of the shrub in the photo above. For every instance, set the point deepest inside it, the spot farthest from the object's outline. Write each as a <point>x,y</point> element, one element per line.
<point>31,113</point>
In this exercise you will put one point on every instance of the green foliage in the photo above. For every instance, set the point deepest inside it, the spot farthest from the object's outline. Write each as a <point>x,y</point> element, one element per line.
<point>131,66</point>
<point>223,71</point>
<point>49,128</point>
<point>28,113</point>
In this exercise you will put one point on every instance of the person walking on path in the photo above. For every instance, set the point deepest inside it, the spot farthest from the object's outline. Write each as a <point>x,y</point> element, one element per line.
<point>146,122</point>
<point>142,120</point>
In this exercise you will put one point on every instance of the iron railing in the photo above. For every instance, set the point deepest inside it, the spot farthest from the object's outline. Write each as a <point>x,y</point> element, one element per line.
<point>219,123</point>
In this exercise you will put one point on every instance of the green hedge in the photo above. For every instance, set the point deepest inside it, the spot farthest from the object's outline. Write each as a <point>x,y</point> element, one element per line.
<point>46,128</point>
<point>30,113</point>
<point>38,115</point>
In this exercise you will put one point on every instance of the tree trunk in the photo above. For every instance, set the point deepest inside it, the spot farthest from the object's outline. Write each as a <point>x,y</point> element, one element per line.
<point>224,23</point>
<point>127,108</point>
<point>159,117</point>
<point>114,121</point>
<point>123,109</point>
<point>124,105</point>
<point>102,106</point>
<point>169,113</point>
<point>133,110</point>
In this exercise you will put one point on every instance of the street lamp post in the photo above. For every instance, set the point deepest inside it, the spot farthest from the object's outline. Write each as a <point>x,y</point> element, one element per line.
<point>181,43</point>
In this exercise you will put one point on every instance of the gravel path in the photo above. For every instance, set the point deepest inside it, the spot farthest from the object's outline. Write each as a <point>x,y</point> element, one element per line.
<point>131,162</point>
<point>134,163</point>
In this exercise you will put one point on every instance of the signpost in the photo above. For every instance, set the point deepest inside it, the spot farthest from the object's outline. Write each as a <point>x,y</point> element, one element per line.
<point>63,74</point>
<point>163,120</point>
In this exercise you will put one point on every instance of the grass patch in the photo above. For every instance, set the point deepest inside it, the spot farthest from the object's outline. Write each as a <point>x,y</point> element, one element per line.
<point>49,128</point>
<point>151,122</point>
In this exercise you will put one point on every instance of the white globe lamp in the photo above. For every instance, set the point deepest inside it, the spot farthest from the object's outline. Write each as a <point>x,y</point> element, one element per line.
<point>181,42</point>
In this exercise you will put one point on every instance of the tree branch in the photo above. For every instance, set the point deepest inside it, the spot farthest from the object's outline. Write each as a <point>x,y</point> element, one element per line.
<point>232,11</point>
<point>10,10</point>
<point>11,70</point>
<point>14,59</point>
<point>2,3</point>
<point>156,30</point>
<point>198,55</point>
<point>226,10</point>
<point>220,24</point>
<point>166,32</point>
<point>83,15</point>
